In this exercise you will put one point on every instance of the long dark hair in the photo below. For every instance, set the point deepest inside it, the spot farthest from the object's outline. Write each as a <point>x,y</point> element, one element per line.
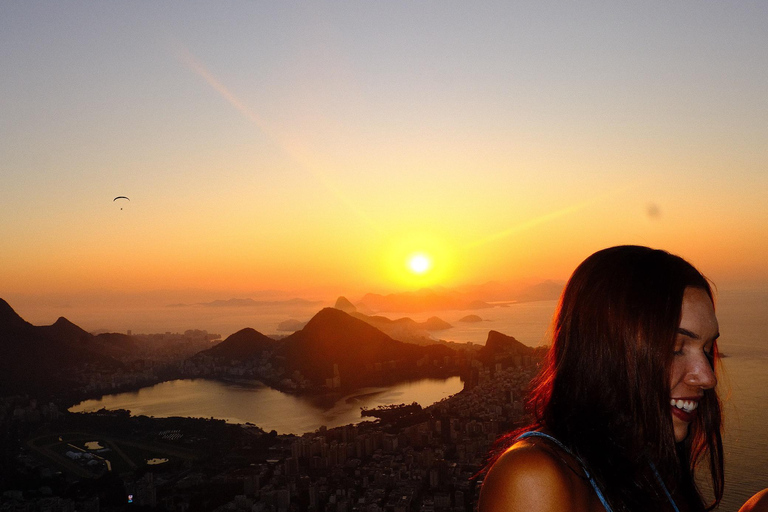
<point>604,389</point>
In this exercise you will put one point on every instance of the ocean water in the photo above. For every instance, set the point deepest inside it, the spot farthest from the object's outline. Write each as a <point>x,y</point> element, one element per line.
<point>743,317</point>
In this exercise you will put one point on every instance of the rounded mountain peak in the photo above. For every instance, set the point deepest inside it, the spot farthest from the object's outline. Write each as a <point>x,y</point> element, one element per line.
<point>243,344</point>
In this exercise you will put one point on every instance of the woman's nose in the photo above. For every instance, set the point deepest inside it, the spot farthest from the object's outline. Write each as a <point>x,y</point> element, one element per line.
<point>701,374</point>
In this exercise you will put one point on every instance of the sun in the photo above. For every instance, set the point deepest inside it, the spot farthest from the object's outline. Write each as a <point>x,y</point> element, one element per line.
<point>419,263</point>
<point>417,260</point>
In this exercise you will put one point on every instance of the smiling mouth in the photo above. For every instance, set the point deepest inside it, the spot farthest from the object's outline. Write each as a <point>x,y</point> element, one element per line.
<point>687,406</point>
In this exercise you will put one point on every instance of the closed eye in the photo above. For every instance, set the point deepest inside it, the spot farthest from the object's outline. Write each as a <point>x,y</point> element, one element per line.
<point>710,353</point>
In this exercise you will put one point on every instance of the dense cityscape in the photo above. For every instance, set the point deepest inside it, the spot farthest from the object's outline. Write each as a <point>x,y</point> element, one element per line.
<point>424,461</point>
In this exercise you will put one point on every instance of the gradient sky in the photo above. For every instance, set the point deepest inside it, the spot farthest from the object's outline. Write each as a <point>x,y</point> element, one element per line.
<point>314,146</point>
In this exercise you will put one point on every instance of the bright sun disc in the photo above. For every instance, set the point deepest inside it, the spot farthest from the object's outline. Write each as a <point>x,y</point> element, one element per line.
<point>419,263</point>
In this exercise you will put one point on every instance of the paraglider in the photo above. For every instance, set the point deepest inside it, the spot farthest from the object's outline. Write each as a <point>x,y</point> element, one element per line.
<point>121,197</point>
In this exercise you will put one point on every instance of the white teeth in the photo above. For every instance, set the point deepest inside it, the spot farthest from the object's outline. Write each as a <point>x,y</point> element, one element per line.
<point>685,405</point>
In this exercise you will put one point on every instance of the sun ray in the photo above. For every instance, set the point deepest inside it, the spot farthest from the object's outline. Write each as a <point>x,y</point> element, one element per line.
<point>547,217</point>
<point>298,156</point>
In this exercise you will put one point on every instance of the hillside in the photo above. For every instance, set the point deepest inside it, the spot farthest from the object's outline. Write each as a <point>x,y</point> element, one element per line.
<point>500,347</point>
<point>243,345</point>
<point>362,353</point>
<point>44,358</point>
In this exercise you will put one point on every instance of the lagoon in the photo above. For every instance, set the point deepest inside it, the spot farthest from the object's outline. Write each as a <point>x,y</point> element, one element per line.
<point>256,403</point>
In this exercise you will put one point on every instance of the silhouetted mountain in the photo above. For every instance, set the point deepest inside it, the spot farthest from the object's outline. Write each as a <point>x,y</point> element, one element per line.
<point>243,345</point>
<point>117,345</point>
<point>470,319</point>
<point>66,332</point>
<point>498,342</point>
<point>434,323</point>
<point>21,346</point>
<point>10,321</point>
<point>360,351</point>
<point>499,346</point>
<point>39,359</point>
<point>403,324</point>
<point>345,305</point>
<point>403,329</point>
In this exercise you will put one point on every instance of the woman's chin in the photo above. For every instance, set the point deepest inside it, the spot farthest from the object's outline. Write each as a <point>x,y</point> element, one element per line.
<point>681,432</point>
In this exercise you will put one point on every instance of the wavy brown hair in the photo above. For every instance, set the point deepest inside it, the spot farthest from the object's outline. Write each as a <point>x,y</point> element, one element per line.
<point>604,389</point>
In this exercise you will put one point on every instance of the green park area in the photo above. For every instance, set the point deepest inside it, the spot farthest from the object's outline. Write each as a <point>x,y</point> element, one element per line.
<point>90,455</point>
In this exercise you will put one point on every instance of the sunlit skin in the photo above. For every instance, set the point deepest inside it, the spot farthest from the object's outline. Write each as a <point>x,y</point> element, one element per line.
<point>691,371</point>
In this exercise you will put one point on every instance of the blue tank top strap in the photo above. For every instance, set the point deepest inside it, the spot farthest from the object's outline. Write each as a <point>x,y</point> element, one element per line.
<point>601,497</point>
<point>663,486</point>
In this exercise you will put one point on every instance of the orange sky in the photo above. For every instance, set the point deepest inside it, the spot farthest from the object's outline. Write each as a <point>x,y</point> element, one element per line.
<point>313,150</point>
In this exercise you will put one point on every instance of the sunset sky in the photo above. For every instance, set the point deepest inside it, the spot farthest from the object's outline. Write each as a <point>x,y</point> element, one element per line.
<point>313,147</point>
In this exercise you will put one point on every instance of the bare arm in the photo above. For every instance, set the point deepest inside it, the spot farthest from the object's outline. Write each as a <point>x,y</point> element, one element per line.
<point>527,478</point>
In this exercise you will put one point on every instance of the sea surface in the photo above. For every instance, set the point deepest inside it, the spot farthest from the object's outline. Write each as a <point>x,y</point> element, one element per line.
<point>743,385</point>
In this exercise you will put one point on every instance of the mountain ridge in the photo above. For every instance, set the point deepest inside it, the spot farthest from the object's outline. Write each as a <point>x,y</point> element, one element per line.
<point>333,337</point>
<point>43,358</point>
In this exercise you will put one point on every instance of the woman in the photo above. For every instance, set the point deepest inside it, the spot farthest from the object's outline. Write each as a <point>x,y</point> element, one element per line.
<point>625,406</point>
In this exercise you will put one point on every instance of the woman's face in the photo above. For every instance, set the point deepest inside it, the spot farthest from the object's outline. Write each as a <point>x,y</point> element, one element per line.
<point>692,371</point>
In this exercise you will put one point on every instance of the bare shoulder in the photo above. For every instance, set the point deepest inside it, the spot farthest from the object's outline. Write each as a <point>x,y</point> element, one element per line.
<point>757,503</point>
<point>530,477</point>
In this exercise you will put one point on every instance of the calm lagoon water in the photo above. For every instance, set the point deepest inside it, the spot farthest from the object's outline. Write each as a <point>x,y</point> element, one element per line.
<point>266,407</point>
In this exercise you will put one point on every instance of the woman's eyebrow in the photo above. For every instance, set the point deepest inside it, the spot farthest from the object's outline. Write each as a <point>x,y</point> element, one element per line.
<point>686,332</point>
<point>693,335</point>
